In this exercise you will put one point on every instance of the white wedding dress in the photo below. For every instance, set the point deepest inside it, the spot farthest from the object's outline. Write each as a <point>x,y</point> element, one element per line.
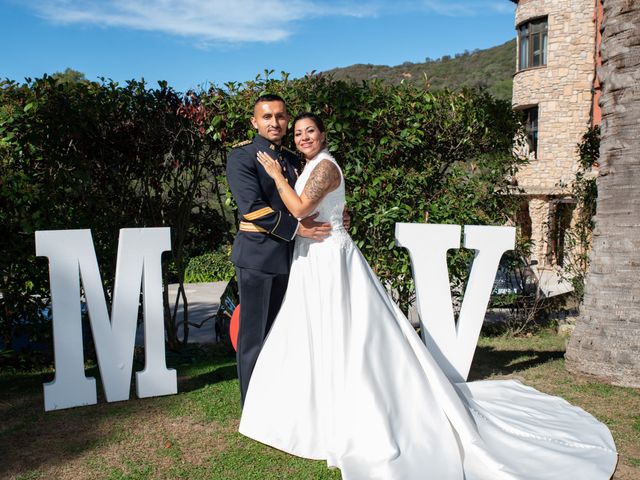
<point>344,377</point>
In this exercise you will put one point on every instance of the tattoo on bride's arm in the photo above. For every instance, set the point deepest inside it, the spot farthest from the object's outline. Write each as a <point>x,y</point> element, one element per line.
<point>323,177</point>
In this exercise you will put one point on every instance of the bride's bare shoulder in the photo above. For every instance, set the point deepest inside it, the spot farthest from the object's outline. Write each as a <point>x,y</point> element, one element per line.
<point>324,178</point>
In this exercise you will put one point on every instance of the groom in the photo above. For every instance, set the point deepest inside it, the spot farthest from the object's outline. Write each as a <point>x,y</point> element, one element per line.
<point>264,244</point>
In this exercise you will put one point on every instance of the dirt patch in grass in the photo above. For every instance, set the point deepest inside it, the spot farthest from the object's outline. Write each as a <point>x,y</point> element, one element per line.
<point>135,440</point>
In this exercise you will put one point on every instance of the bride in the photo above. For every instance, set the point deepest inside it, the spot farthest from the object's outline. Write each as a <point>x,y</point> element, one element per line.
<point>343,376</point>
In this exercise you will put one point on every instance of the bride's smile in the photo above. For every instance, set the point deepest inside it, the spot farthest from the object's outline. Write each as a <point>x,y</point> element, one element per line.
<point>308,138</point>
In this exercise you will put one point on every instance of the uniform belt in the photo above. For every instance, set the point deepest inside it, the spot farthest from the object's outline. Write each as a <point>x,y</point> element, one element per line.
<point>251,227</point>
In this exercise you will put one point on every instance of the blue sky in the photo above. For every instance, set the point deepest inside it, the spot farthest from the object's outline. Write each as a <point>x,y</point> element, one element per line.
<point>194,43</point>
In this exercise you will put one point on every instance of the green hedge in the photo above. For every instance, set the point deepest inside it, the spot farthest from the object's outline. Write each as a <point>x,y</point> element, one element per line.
<point>106,156</point>
<point>210,267</point>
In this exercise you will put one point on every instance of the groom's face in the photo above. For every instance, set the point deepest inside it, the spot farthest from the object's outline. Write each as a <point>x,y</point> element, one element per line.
<point>270,119</point>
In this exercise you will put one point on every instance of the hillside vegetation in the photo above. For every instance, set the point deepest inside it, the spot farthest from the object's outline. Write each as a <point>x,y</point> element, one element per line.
<point>492,68</point>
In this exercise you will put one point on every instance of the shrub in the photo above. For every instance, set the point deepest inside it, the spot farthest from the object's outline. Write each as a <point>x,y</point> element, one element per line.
<point>578,238</point>
<point>406,154</point>
<point>105,156</point>
<point>210,267</point>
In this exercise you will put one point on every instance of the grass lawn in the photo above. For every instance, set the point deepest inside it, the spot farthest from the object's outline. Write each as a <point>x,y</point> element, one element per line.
<point>193,435</point>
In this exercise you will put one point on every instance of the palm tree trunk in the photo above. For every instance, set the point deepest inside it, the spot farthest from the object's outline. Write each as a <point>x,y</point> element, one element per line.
<point>606,340</point>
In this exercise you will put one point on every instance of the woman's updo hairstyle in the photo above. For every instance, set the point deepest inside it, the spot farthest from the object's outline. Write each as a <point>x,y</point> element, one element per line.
<point>311,116</point>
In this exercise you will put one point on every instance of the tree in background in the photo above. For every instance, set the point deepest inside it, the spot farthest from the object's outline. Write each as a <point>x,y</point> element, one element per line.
<point>606,340</point>
<point>69,76</point>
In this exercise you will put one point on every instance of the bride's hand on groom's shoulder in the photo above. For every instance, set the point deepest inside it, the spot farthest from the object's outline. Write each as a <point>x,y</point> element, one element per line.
<point>309,228</point>
<point>271,166</point>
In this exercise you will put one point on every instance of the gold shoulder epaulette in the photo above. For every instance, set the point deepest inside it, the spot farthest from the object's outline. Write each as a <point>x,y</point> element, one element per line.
<point>242,144</point>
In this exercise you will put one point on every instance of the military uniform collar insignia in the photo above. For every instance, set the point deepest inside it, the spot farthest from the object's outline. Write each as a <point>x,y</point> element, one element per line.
<point>264,143</point>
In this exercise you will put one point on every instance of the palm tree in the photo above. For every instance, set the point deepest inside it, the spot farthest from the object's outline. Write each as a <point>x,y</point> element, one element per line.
<point>606,340</point>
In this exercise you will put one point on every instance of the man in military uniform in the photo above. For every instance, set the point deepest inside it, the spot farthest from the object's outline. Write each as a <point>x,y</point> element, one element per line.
<point>263,246</point>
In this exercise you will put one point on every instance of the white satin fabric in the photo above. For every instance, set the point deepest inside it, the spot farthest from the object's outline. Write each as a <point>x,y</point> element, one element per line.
<point>343,377</point>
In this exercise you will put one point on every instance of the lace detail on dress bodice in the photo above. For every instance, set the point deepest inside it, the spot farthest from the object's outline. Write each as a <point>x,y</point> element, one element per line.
<point>332,205</point>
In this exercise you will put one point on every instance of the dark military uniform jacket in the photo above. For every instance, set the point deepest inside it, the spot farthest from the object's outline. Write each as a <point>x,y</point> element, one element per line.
<point>264,239</point>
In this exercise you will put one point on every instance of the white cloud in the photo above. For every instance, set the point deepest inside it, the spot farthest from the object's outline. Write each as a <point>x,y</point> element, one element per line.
<point>206,21</point>
<point>219,22</point>
<point>465,8</point>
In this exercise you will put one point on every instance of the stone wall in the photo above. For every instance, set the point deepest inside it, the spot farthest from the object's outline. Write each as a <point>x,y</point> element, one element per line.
<point>562,92</point>
<point>539,213</point>
<point>561,89</point>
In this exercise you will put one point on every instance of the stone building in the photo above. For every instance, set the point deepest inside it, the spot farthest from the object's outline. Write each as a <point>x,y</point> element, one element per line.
<point>555,89</point>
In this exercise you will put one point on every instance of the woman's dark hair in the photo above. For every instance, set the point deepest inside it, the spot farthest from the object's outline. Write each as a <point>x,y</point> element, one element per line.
<point>311,116</point>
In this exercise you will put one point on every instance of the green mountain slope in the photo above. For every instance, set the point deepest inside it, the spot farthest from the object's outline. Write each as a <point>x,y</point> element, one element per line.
<point>492,68</point>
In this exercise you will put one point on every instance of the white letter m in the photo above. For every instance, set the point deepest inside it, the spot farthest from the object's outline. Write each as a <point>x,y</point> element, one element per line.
<point>71,256</point>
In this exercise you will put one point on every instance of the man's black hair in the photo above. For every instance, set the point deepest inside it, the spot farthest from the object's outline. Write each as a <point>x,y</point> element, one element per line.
<point>269,97</point>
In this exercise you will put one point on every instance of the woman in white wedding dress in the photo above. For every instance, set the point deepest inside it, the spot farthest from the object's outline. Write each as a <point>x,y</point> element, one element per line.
<point>344,377</point>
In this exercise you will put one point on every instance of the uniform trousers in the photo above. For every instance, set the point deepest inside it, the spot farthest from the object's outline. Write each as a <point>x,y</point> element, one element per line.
<point>261,296</point>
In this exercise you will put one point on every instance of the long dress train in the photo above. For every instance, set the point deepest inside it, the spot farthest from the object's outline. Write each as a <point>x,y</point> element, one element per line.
<point>344,377</point>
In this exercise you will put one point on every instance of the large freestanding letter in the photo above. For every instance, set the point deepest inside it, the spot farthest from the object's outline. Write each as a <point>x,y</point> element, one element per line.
<point>71,256</point>
<point>453,345</point>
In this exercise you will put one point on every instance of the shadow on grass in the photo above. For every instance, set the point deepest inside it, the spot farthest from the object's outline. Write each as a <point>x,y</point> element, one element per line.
<point>204,365</point>
<point>32,439</point>
<point>220,374</point>
<point>490,361</point>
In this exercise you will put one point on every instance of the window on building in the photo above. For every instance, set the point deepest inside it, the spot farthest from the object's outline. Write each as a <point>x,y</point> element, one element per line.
<point>533,44</point>
<point>530,120</point>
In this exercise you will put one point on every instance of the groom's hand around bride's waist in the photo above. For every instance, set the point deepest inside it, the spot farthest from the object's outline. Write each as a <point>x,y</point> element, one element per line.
<point>309,228</point>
